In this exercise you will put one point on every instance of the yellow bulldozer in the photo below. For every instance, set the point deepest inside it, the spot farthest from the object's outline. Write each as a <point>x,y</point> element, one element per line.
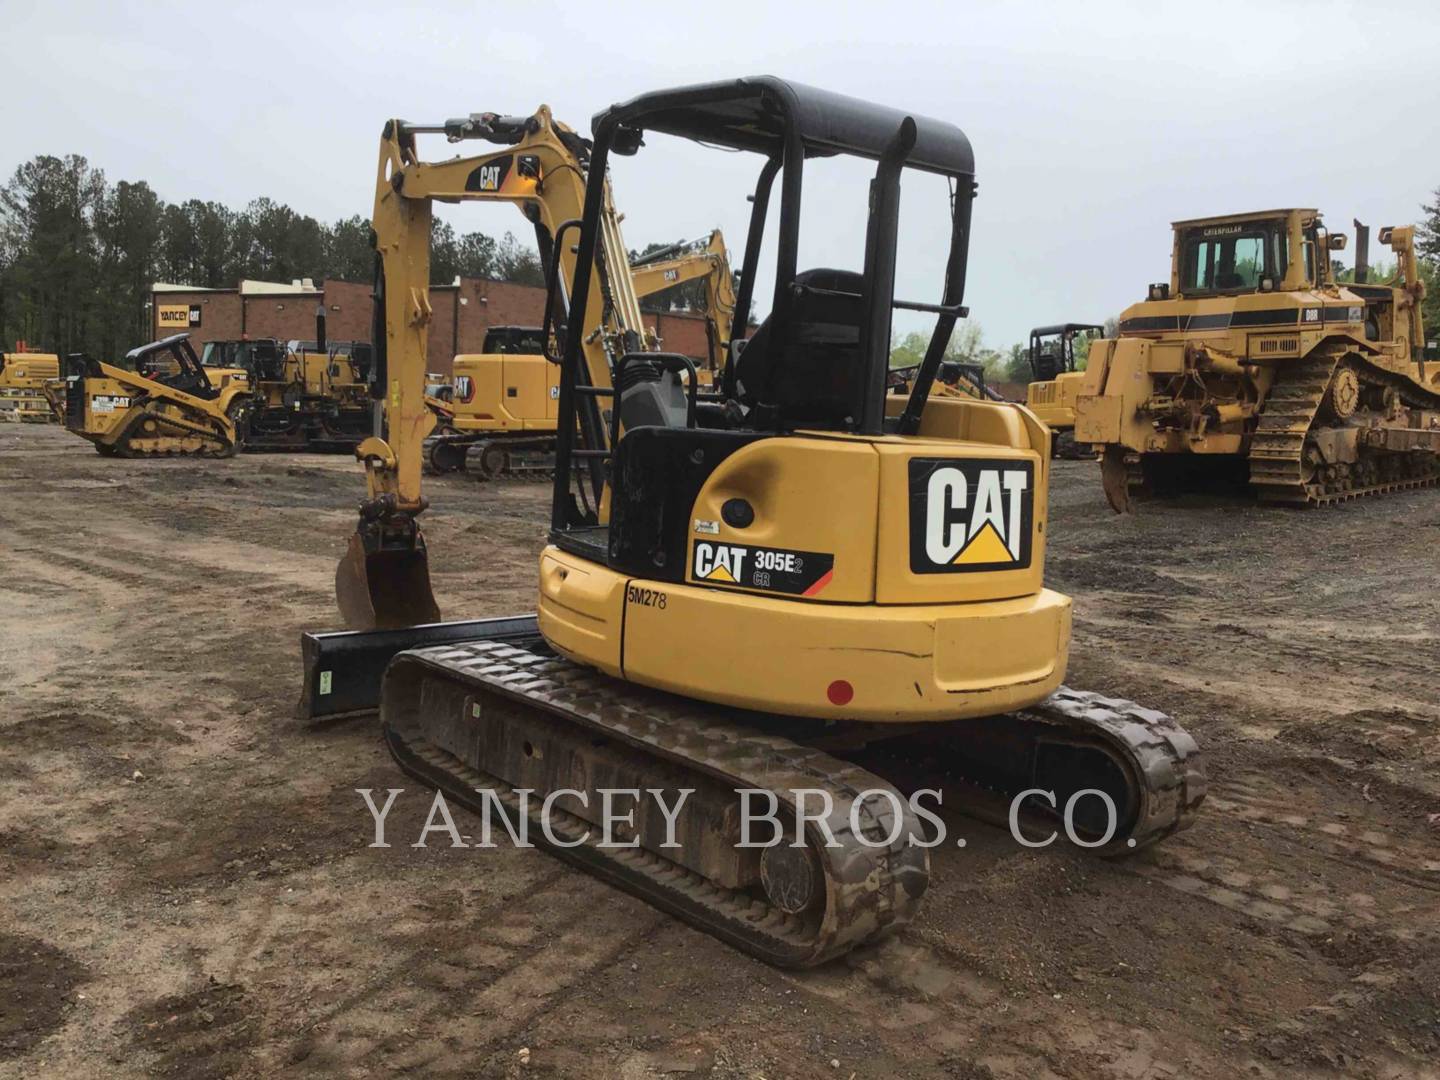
<point>1055,382</point>
<point>1255,364</point>
<point>793,584</point>
<point>161,404</point>
<point>23,378</point>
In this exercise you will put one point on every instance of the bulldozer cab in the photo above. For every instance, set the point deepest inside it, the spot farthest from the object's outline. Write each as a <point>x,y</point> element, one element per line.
<point>1260,252</point>
<point>1052,348</point>
<point>818,362</point>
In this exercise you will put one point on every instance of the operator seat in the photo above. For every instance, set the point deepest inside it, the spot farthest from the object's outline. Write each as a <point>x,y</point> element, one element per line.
<point>818,372</point>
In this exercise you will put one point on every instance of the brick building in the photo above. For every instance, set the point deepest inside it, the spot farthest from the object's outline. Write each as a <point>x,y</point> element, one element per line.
<point>461,313</point>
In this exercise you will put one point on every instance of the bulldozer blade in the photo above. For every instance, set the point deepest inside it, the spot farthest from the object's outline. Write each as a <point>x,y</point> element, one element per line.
<point>1115,478</point>
<point>385,589</point>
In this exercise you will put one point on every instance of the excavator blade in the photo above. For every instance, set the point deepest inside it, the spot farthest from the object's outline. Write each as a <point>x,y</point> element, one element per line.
<point>1115,478</point>
<point>385,588</point>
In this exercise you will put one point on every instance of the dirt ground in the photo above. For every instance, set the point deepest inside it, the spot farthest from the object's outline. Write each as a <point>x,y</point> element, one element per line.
<point>186,890</point>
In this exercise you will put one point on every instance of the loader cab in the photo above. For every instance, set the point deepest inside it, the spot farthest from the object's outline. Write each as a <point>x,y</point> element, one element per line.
<point>819,362</point>
<point>173,361</point>
<point>1052,348</point>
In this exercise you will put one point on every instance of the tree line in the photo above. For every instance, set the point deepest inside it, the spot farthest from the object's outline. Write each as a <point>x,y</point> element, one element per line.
<point>78,254</point>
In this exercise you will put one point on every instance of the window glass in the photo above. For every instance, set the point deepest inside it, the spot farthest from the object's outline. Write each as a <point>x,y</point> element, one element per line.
<point>1227,258</point>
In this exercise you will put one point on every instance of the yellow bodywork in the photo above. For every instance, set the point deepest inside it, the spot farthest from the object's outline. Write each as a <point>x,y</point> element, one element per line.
<point>23,377</point>
<point>911,646</point>
<point>1054,400</point>
<point>504,392</point>
<point>1193,368</point>
<point>123,411</point>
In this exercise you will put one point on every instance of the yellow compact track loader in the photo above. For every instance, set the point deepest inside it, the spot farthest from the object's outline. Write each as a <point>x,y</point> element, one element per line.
<point>162,405</point>
<point>1055,383</point>
<point>1254,364</point>
<point>795,586</point>
<point>23,377</point>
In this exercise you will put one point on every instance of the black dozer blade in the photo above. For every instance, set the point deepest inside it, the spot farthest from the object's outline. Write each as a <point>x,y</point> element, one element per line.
<point>381,588</point>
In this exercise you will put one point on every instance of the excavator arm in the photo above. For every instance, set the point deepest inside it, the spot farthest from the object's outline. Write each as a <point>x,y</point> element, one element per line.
<point>383,580</point>
<point>710,262</point>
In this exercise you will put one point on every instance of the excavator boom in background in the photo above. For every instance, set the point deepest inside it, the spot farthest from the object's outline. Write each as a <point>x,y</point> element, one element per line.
<point>794,583</point>
<point>501,420</point>
<point>707,260</point>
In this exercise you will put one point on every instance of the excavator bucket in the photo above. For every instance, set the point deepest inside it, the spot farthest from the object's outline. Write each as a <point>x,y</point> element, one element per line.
<point>381,588</point>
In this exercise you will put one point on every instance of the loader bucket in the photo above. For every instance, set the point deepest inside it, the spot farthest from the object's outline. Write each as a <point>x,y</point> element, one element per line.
<point>386,588</point>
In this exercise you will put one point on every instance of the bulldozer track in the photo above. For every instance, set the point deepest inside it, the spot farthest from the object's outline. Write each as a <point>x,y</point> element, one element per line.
<point>1277,447</point>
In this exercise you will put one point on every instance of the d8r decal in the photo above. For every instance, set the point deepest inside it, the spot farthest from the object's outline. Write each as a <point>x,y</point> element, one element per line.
<point>969,514</point>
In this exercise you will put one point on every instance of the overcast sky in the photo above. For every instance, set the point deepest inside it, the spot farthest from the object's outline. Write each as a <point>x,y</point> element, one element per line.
<point>1094,124</point>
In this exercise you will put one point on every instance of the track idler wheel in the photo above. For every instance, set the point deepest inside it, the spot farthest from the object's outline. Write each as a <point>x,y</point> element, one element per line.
<point>444,457</point>
<point>488,460</point>
<point>1342,397</point>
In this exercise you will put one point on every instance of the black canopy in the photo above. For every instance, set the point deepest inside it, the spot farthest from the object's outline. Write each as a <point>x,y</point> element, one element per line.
<point>751,113</point>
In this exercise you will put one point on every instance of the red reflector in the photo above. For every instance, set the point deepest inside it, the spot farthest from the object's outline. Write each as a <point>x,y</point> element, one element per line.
<point>840,692</point>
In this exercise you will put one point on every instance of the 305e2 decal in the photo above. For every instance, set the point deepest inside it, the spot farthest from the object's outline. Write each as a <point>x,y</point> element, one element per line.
<point>796,573</point>
<point>970,514</point>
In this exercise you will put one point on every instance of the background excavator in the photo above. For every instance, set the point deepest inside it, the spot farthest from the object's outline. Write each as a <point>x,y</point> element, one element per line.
<point>1055,384</point>
<point>1255,365</point>
<point>162,404</point>
<point>707,260</point>
<point>501,419</point>
<point>865,569</point>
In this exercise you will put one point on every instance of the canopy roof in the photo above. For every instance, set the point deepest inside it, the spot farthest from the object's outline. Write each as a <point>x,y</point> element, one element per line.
<point>750,113</point>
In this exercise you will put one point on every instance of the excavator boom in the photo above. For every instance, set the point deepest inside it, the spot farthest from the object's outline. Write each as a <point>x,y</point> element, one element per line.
<point>383,580</point>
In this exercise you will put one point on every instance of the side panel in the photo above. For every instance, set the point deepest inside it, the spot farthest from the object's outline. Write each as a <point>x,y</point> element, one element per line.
<point>959,524</point>
<point>812,500</point>
<point>581,609</point>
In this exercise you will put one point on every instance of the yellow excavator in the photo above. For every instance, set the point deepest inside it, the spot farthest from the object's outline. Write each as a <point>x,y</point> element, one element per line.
<point>1255,365</point>
<point>707,260</point>
<point>23,377</point>
<point>161,404</point>
<point>501,419</point>
<point>865,570</point>
<point>1055,382</point>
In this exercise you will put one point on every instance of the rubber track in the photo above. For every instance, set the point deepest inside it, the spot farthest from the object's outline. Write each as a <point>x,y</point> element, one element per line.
<point>1163,758</point>
<point>184,428</point>
<point>871,890</point>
